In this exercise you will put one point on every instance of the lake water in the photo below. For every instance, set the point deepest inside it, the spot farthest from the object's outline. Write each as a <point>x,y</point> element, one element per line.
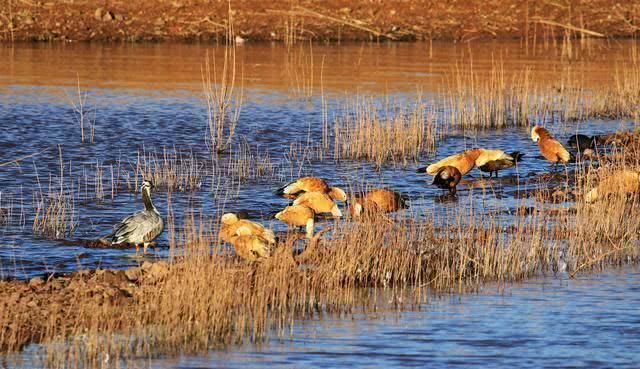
<point>588,322</point>
<point>148,98</point>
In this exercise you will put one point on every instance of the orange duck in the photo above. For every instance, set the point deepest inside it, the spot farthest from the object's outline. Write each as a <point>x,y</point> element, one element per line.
<point>310,184</point>
<point>376,201</point>
<point>550,148</point>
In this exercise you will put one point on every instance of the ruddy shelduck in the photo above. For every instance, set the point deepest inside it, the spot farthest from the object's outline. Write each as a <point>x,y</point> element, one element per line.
<point>379,200</point>
<point>231,224</point>
<point>618,183</point>
<point>492,161</point>
<point>310,184</point>
<point>464,162</point>
<point>550,148</point>
<point>249,246</point>
<point>298,216</point>
<point>447,178</point>
<point>320,203</point>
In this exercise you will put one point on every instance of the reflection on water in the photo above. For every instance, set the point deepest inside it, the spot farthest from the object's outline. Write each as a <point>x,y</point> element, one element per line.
<point>590,322</point>
<point>344,68</point>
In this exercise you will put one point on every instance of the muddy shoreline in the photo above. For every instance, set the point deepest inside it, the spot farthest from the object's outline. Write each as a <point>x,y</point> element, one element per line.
<point>333,20</point>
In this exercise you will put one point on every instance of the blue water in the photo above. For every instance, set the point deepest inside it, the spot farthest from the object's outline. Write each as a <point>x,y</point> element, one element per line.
<point>589,322</point>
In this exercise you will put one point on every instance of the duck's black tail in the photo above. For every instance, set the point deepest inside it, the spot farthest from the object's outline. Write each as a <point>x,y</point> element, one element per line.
<point>280,191</point>
<point>421,170</point>
<point>516,155</point>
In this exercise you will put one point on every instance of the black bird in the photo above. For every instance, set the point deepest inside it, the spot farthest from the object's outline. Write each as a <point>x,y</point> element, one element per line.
<point>582,142</point>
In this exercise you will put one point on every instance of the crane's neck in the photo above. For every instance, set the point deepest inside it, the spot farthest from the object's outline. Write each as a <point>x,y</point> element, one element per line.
<point>146,199</point>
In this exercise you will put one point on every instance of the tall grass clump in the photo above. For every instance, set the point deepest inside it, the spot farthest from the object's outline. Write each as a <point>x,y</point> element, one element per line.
<point>224,102</point>
<point>55,208</point>
<point>81,113</point>
<point>492,99</point>
<point>171,170</point>
<point>391,134</point>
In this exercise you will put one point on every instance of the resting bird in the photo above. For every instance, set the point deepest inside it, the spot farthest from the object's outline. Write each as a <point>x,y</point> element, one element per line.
<point>494,160</point>
<point>298,216</point>
<point>142,227</point>
<point>320,203</point>
<point>376,201</point>
<point>550,148</point>
<point>231,223</point>
<point>447,178</point>
<point>310,184</point>
<point>250,246</point>
<point>619,182</point>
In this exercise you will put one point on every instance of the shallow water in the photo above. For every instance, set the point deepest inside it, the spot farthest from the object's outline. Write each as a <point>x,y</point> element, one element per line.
<point>148,98</point>
<point>553,322</point>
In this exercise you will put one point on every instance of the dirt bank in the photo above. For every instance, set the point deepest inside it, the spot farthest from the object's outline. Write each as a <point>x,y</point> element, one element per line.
<point>182,20</point>
<point>26,307</point>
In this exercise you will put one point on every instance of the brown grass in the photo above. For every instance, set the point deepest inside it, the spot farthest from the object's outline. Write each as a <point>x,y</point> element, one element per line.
<point>171,171</point>
<point>55,210</point>
<point>224,103</point>
<point>391,134</point>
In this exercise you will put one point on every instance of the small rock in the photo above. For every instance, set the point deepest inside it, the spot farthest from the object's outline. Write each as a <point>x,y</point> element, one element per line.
<point>98,14</point>
<point>158,22</point>
<point>28,20</point>
<point>239,40</point>
<point>119,17</point>
<point>36,282</point>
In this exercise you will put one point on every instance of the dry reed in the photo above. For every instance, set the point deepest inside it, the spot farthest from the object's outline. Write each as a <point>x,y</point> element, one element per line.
<point>224,104</point>
<point>392,134</point>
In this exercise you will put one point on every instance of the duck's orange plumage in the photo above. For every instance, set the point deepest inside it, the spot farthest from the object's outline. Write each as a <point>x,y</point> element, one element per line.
<point>231,224</point>
<point>310,184</point>
<point>550,148</point>
<point>467,160</point>
<point>298,216</point>
<point>379,200</point>
<point>250,247</point>
<point>464,162</point>
<point>320,203</point>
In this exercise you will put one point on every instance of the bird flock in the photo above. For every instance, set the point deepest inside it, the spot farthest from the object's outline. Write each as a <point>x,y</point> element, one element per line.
<point>313,196</point>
